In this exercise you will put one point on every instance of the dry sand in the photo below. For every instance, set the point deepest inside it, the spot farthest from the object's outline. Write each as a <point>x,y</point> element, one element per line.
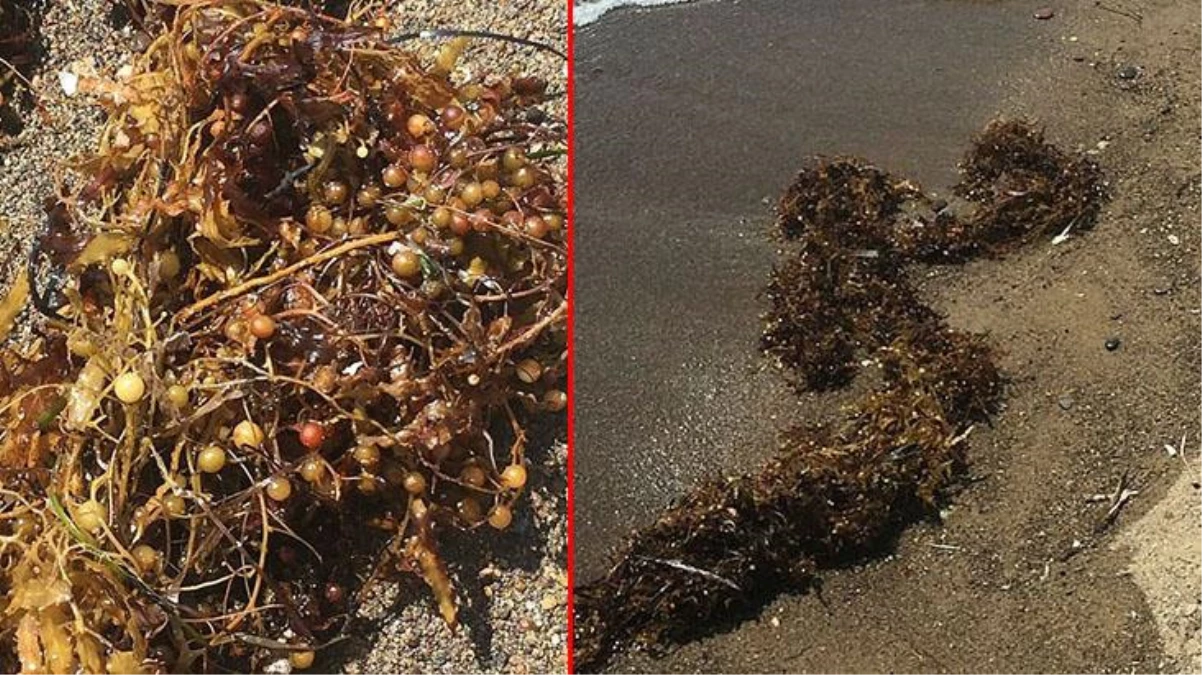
<point>514,587</point>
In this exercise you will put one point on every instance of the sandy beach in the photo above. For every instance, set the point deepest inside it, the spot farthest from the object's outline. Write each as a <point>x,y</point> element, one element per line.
<point>693,117</point>
<point>675,214</point>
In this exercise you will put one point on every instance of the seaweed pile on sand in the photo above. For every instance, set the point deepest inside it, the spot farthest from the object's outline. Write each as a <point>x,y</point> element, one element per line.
<point>836,493</point>
<point>299,307</point>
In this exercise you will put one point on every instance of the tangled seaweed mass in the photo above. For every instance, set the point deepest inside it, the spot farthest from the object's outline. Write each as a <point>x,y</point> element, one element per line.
<point>836,493</point>
<point>299,307</point>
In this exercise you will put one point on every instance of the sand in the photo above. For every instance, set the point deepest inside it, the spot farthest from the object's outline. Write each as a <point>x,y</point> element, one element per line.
<point>674,214</point>
<point>709,108</point>
<point>515,587</point>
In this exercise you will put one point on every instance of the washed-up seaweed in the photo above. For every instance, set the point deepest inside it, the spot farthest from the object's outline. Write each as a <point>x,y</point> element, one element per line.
<point>836,493</point>
<point>297,310</point>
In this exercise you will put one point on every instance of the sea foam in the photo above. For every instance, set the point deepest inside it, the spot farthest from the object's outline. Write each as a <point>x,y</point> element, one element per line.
<point>585,13</point>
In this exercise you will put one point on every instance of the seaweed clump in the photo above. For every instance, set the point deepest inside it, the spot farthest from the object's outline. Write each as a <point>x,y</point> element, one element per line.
<point>299,307</point>
<point>836,493</point>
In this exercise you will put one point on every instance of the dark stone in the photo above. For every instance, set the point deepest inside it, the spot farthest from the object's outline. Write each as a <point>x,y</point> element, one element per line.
<point>1044,13</point>
<point>535,116</point>
<point>1127,73</point>
<point>1065,402</point>
<point>1112,344</point>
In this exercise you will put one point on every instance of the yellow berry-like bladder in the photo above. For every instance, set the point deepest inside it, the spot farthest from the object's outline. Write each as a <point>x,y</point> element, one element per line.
<point>145,557</point>
<point>501,517</point>
<point>514,476</point>
<point>129,387</point>
<point>90,516</point>
<point>177,396</point>
<point>302,660</point>
<point>279,488</point>
<point>247,434</point>
<point>211,459</point>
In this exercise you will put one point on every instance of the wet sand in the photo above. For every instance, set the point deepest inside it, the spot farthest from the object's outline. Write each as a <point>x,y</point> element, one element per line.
<point>689,118</point>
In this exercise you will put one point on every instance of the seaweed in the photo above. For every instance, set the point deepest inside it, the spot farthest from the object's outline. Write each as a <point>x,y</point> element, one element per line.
<point>299,307</point>
<point>18,53</point>
<point>839,492</point>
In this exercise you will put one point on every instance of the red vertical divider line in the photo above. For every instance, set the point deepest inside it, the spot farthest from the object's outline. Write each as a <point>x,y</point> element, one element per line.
<point>571,482</point>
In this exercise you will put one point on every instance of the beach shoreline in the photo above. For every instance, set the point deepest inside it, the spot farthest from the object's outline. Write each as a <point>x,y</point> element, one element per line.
<point>743,95</point>
<point>704,111</point>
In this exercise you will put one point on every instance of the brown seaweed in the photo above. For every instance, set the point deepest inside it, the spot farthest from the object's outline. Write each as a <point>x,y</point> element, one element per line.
<point>18,53</point>
<point>838,492</point>
<point>301,303</point>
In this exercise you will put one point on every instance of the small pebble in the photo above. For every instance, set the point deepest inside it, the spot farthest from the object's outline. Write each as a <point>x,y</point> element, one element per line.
<point>1044,13</point>
<point>69,82</point>
<point>1127,73</point>
<point>1112,344</point>
<point>141,41</point>
<point>1065,402</point>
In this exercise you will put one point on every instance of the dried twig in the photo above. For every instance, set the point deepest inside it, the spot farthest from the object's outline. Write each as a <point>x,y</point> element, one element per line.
<point>1118,499</point>
<point>1134,16</point>
<point>676,564</point>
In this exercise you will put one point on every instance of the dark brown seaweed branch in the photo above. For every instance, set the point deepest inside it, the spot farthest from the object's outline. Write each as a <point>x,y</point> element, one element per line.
<point>18,52</point>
